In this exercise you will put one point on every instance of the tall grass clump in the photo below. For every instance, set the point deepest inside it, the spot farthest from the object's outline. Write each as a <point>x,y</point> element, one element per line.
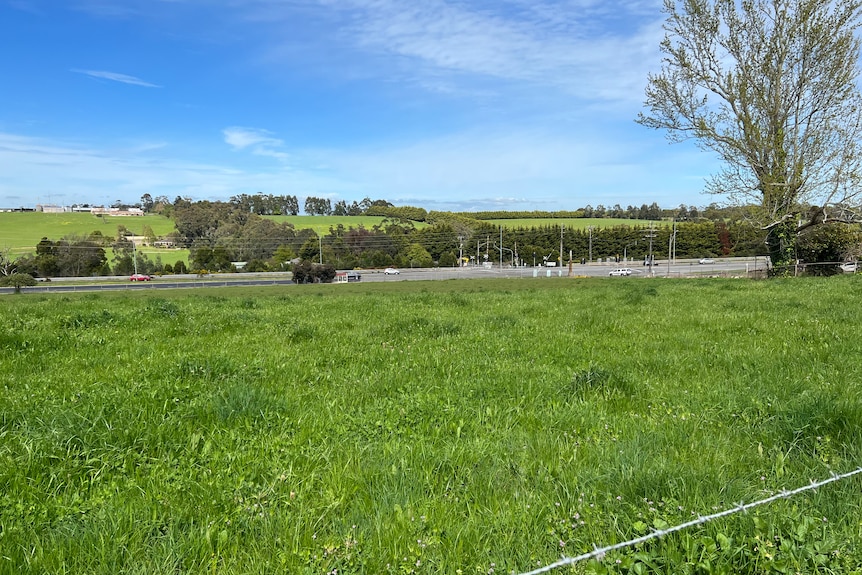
<point>433,427</point>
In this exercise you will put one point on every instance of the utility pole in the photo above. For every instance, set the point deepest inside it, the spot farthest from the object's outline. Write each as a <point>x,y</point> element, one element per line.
<point>674,241</point>
<point>501,247</point>
<point>669,257</point>
<point>561,244</point>
<point>650,236</point>
<point>591,244</point>
<point>479,246</point>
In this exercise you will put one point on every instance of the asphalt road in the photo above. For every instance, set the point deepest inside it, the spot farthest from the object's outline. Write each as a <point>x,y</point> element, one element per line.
<point>680,268</point>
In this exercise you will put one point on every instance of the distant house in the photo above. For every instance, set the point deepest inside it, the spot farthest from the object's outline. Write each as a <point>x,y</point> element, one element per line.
<point>164,244</point>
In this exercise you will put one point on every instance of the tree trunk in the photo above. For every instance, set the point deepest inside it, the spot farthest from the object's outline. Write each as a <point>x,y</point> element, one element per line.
<point>781,243</point>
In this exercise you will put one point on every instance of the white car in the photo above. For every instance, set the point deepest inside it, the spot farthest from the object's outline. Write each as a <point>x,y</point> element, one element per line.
<point>706,261</point>
<point>849,267</point>
<point>621,272</point>
<point>391,272</point>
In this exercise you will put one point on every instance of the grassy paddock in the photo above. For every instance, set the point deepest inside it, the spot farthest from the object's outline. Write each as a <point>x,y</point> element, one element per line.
<point>21,231</point>
<point>575,223</point>
<point>439,427</point>
<point>321,224</point>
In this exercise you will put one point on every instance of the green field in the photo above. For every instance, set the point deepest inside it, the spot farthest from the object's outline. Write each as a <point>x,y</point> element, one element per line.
<point>453,427</point>
<point>574,223</point>
<point>321,224</point>
<point>21,231</point>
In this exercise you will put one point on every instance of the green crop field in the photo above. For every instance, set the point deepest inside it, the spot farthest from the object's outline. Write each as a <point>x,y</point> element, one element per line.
<point>460,427</point>
<point>574,223</point>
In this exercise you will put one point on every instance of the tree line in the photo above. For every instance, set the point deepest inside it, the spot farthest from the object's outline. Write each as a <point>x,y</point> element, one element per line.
<point>225,236</point>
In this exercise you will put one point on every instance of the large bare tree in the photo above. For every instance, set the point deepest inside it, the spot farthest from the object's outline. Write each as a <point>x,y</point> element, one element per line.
<point>771,86</point>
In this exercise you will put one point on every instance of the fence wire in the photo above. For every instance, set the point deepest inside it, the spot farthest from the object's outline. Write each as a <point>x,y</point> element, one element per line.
<point>600,552</point>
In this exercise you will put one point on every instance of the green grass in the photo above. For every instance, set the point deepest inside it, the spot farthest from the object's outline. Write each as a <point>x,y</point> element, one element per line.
<point>430,427</point>
<point>574,223</point>
<point>321,224</point>
<point>21,231</point>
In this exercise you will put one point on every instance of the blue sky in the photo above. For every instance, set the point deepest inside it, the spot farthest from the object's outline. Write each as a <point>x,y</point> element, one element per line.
<point>445,104</point>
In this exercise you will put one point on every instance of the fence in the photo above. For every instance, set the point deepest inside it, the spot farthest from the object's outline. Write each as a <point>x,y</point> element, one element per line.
<point>600,552</point>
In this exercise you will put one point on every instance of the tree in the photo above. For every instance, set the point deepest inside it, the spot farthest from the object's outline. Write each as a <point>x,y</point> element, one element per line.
<point>309,272</point>
<point>318,206</point>
<point>341,208</point>
<point>17,281</point>
<point>418,257</point>
<point>771,87</point>
<point>147,203</point>
<point>7,266</point>
<point>149,234</point>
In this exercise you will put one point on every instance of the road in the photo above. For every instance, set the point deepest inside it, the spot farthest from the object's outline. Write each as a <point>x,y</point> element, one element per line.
<point>680,268</point>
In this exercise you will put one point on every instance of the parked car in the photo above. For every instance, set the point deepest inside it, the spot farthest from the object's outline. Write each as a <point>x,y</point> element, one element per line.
<point>621,272</point>
<point>706,261</point>
<point>391,272</point>
<point>850,267</point>
<point>139,278</point>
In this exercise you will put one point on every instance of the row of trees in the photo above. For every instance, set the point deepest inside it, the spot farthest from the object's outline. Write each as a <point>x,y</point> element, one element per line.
<point>219,235</point>
<point>227,236</point>
<point>271,205</point>
<point>85,256</point>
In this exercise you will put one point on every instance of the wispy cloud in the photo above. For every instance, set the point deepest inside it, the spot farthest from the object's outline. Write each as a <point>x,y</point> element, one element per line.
<point>116,77</point>
<point>87,173</point>
<point>566,45</point>
<point>518,169</point>
<point>260,142</point>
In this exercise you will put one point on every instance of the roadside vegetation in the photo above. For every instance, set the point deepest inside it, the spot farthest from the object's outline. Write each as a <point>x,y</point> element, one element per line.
<point>263,234</point>
<point>431,427</point>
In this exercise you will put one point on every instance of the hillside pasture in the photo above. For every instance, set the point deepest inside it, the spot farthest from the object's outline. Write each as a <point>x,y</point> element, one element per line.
<point>21,231</point>
<point>322,224</point>
<point>574,223</point>
<point>484,426</point>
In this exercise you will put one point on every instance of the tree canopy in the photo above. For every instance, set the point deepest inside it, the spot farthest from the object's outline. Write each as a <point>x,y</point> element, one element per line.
<point>771,87</point>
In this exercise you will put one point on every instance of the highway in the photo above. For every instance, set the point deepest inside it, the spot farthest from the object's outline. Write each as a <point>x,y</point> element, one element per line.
<point>741,267</point>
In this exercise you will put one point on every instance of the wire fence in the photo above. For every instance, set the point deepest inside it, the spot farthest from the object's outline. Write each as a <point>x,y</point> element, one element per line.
<point>600,552</point>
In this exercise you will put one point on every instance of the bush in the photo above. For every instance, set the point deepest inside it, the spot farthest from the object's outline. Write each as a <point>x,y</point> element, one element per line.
<point>18,280</point>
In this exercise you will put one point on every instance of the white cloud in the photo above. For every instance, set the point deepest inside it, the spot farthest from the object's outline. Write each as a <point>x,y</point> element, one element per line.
<point>36,168</point>
<point>116,77</point>
<point>241,138</point>
<point>564,45</point>
<point>515,169</point>
<point>260,141</point>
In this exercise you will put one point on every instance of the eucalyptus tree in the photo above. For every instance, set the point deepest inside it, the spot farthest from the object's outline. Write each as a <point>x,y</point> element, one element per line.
<point>770,86</point>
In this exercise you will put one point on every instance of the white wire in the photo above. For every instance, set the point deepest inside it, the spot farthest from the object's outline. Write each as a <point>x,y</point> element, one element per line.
<point>599,553</point>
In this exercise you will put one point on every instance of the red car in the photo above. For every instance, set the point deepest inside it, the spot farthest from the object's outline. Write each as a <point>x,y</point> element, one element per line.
<point>140,278</point>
